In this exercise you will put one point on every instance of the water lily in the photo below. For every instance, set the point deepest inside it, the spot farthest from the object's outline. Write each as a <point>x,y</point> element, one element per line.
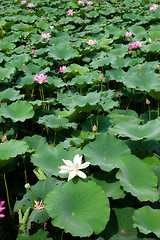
<point>40,78</point>
<point>1,209</point>
<point>23,2</point>
<point>45,35</point>
<point>73,168</point>
<point>80,2</point>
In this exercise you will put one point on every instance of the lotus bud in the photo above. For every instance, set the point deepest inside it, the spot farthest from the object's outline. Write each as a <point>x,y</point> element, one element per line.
<point>149,40</point>
<point>0,103</point>
<point>27,185</point>
<point>4,138</point>
<point>147,101</point>
<point>139,67</point>
<point>101,77</point>
<point>94,128</point>
<point>156,39</point>
<point>101,55</point>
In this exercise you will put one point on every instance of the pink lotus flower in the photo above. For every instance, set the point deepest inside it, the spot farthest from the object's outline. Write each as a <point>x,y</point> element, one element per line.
<point>154,7</point>
<point>23,2</point>
<point>101,77</point>
<point>89,3</point>
<point>128,34</point>
<point>45,35</point>
<point>29,10</point>
<point>85,8</point>
<point>40,78</point>
<point>42,18</point>
<point>1,209</point>
<point>147,101</point>
<point>30,5</point>
<point>80,2</point>
<point>92,42</point>
<point>61,69</point>
<point>70,12</point>
<point>135,45</point>
<point>33,51</point>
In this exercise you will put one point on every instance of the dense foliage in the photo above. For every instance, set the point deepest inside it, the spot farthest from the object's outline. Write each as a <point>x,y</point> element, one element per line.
<point>80,124</point>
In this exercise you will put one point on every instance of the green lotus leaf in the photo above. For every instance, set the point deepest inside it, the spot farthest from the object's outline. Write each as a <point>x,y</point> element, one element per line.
<point>18,111</point>
<point>56,123</point>
<point>101,122</point>
<point>55,82</point>
<point>105,42</point>
<point>150,130</point>
<point>22,27</point>
<point>83,80</point>
<point>138,31</point>
<point>128,116</point>
<point>10,94</point>
<point>153,47</point>
<point>26,82</point>
<point>109,184</point>
<point>105,155</point>
<point>71,205</point>
<point>62,52</point>
<point>102,62</point>
<point>41,234</point>
<point>140,79</point>
<point>152,160</point>
<point>42,25</point>
<point>155,94</point>
<point>5,45</point>
<point>40,190</point>
<point>76,69</point>
<point>10,149</point>
<point>17,61</point>
<point>6,72</point>
<point>38,216</point>
<point>49,158</point>
<point>134,175</point>
<point>147,220</point>
<point>35,141</point>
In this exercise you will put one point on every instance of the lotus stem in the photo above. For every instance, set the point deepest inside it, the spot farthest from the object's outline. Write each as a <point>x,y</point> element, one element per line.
<point>149,112</point>
<point>5,182</point>
<point>54,139</point>
<point>62,234</point>
<point>158,109</point>
<point>130,101</point>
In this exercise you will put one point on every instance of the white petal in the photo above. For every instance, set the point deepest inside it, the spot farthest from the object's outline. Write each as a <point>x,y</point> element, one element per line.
<point>72,174</point>
<point>81,174</point>
<point>65,168</point>
<point>77,161</point>
<point>84,165</point>
<point>63,171</point>
<point>68,162</point>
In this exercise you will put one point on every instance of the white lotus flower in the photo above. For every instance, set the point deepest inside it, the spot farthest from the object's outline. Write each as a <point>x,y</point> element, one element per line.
<point>73,168</point>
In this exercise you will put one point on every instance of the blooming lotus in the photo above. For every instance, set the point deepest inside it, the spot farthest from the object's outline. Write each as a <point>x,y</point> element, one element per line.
<point>45,35</point>
<point>92,42</point>
<point>1,209</point>
<point>154,7</point>
<point>128,34</point>
<point>70,12</point>
<point>89,3</point>
<point>30,5</point>
<point>73,168</point>
<point>61,69</point>
<point>40,78</point>
<point>23,2</point>
<point>135,45</point>
<point>80,2</point>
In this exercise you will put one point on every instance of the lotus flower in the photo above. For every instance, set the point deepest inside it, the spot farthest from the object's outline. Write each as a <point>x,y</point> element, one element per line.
<point>70,12</point>
<point>73,168</point>
<point>1,209</point>
<point>128,34</point>
<point>89,3</point>
<point>80,2</point>
<point>135,45</point>
<point>23,2</point>
<point>45,35</point>
<point>154,7</point>
<point>92,42</point>
<point>61,69</point>
<point>40,78</point>
<point>30,5</point>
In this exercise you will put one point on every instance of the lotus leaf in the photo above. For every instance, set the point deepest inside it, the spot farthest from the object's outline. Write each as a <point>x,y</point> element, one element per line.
<point>71,205</point>
<point>61,52</point>
<point>41,234</point>
<point>18,111</point>
<point>147,220</point>
<point>105,155</point>
<point>10,94</point>
<point>134,175</point>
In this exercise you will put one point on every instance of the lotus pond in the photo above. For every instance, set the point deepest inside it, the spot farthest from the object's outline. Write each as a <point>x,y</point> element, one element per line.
<point>80,120</point>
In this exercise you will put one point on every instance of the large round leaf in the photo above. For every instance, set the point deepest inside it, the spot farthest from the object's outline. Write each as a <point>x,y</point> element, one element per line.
<point>147,220</point>
<point>105,151</point>
<point>10,94</point>
<point>62,52</point>
<point>18,111</point>
<point>41,234</point>
<point>134,175</point>
<point>49,158</point>
<point>10,149</point>
<point>150,130</point>
<point>80,208</point>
